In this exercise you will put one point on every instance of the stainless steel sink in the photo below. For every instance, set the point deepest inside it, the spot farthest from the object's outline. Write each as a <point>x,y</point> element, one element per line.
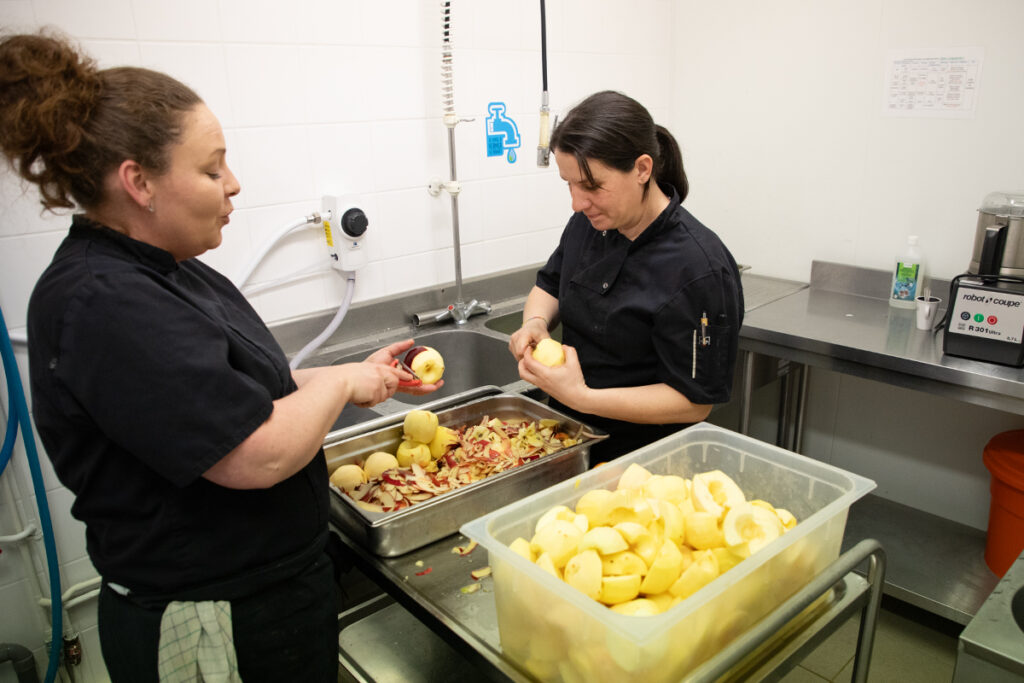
<point>510,322</point>
<point>353,415</point>
<point>472,359</point>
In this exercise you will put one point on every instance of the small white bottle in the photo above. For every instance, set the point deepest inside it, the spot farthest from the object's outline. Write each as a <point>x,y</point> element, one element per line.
<point>907,276</point>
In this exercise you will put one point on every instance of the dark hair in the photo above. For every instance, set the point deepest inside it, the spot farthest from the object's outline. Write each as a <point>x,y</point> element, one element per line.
<point>65,124</point>
<point>615,130</point>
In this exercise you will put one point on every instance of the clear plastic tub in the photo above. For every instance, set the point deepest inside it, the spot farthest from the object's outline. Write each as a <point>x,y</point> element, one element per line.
<point>558,634</point>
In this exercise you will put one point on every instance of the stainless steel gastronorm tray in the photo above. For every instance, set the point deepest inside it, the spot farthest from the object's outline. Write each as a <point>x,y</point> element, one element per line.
<point>388,534</point>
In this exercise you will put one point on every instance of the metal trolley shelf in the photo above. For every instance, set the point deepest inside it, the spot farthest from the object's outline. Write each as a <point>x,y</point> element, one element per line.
<point>427,586</point>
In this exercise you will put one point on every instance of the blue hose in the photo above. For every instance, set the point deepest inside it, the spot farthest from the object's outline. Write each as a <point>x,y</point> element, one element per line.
<point>19,415</point>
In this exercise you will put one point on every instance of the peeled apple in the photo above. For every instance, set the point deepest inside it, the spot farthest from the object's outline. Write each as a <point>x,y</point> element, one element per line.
<point>753,525</point>
<point>583,572</point>
<point>410,452</point>
<point>521,546</point>
<point>420,425</point>
<point>670,488</point>
<point>665,569</point>
<point>634,477</point>
<point>558,540</point>
<point>654,540</point>
<point>443,438</point>
<point>604,539</point>
<point>715,492</point>
<point>379,462</point>
<point>348,477</point>
<point>549,352</point>
<point>557,512</point>
<point>595,505</point>
<point>616,589</point>
<point>622,563</point>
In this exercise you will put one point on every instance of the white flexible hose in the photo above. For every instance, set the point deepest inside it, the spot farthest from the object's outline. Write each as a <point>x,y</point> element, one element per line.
<point>329,330</point>
<point>300,274</point>
<point>255,261</point>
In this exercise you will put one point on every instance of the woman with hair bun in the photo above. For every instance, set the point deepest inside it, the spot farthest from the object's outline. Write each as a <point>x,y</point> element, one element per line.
<point>649,299</point>
<point>162,399</point>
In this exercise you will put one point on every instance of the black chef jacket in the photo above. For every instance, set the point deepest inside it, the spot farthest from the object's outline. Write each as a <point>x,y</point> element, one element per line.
<point>145,373</point>
<point>633,310</point>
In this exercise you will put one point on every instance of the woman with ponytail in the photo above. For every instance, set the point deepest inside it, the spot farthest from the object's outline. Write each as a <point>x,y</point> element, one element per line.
<point>649,299</point>
<point>162,399</point>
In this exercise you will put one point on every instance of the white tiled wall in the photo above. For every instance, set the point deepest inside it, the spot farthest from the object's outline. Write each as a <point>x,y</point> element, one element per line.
<point>335,97</point>
<point>779,110</point>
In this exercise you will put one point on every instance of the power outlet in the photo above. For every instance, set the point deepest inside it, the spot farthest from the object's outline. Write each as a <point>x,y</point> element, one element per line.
<point>345,232</point>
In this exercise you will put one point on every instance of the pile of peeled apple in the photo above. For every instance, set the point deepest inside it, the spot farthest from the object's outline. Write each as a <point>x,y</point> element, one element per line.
<point>654,540</point>
<point>433,459</point>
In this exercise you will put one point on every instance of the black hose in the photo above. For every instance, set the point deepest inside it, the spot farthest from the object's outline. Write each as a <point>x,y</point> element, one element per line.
<point>543,47</point>
<point>23,661</point>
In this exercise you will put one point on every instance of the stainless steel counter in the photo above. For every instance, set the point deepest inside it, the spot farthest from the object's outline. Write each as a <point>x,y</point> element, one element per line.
<point>839,323</point>
<point>991,648</point>
<point>843,323</point>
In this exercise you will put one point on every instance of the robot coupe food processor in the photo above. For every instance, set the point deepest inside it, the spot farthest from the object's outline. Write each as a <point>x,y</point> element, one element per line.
<point>985,318</point>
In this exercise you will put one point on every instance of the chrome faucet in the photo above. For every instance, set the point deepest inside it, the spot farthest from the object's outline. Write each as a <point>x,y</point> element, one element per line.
<point>460,312</point>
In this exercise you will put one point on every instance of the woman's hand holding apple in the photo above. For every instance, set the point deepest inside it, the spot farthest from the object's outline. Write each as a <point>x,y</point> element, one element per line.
<point>563,382</point>
<point>397,350</point>
<point>526,337</point>
<point>367,383</point>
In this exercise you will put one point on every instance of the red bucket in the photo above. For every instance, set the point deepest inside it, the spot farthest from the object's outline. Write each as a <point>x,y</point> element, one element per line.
<point>1004,458</point>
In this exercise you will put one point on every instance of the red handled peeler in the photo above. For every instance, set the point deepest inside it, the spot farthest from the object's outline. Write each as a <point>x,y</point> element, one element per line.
<point>415,382</point>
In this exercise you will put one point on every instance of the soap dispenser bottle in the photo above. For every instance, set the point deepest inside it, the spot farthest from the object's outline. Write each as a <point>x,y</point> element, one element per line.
<point>908,275</point>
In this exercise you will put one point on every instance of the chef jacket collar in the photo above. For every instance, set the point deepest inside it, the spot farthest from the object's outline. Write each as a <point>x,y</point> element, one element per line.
<point>657,226</point>
<point>83,227</point>
<point>600,277</point>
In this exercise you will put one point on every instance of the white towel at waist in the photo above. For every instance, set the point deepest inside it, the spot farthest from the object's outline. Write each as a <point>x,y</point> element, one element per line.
<point>196,643</point>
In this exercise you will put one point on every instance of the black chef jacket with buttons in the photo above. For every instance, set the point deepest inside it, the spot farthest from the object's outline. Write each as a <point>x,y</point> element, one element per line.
<point>145,373</point>
<point>633,310</point>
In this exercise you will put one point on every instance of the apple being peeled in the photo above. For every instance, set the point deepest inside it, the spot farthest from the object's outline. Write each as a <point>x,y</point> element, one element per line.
<point>549,352</point>
<point>426,362</point>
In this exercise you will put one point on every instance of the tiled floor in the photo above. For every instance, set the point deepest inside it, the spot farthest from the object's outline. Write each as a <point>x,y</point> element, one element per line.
<point>911,646</point>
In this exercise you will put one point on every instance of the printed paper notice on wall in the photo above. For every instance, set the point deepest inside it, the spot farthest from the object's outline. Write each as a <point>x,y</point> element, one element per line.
<point>933,82</point>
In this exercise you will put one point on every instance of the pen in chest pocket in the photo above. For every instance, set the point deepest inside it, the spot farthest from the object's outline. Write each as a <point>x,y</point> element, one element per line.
<point>704,340</point>
<point>693,370</point>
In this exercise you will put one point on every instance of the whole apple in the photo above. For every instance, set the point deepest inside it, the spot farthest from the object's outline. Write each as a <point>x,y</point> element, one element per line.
<point>549,352</point>
<point>426,362</point>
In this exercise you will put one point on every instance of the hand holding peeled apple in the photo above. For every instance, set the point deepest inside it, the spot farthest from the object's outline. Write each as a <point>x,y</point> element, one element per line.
<point>563,381</point>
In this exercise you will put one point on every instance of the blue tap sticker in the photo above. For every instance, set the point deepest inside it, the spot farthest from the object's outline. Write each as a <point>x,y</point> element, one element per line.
<point>502,132</point>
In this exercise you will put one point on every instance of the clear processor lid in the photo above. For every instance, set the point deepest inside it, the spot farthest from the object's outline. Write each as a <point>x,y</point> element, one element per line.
<point>1003,204</point>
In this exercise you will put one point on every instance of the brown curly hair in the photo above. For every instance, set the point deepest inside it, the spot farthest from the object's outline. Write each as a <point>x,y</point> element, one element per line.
<point>65,124</point>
